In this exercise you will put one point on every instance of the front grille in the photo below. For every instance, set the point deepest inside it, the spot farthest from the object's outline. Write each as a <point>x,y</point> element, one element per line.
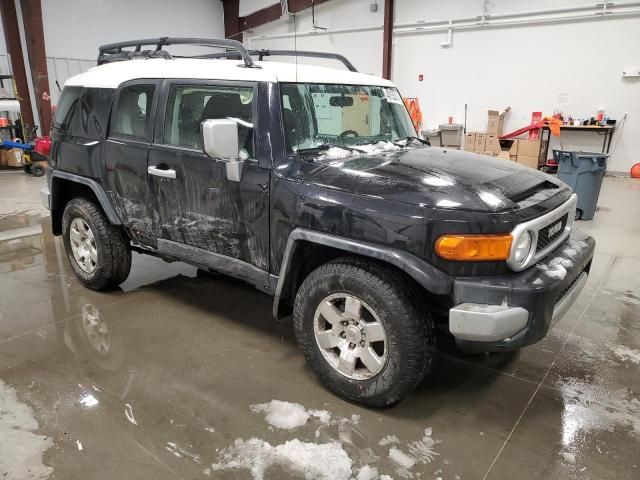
<point>544,240</point>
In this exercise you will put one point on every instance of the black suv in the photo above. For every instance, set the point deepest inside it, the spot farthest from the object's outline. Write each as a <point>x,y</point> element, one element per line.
<point>310,184</point>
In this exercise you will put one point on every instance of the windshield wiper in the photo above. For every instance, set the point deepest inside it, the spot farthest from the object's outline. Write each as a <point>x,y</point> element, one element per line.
<point>409,139</point>
<point>323,147</point>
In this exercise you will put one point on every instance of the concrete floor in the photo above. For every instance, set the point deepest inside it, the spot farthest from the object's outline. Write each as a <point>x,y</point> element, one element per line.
<point>156,381</point>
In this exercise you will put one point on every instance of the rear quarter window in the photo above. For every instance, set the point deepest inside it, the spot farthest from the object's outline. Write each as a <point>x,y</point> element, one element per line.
<point>67,107</point>
<point>95,104</point>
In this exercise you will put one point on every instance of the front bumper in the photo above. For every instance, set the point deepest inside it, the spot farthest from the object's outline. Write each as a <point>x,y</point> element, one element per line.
<point>45,197</point>
<point>507,312</point>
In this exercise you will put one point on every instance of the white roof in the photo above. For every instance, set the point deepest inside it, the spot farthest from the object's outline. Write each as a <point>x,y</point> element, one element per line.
<point>111,75</point>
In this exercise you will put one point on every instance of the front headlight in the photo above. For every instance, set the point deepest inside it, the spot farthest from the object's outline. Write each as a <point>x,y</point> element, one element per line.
<point>522,248</point>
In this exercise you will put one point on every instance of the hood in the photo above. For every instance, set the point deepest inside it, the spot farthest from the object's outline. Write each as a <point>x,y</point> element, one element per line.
<point>432,177</point>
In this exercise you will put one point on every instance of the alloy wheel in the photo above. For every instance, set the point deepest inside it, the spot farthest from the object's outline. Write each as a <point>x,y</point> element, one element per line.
<point>83,245</point>
<point>350,336</point>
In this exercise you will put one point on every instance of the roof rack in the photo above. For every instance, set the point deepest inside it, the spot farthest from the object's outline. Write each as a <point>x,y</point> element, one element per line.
<point>286,53</point>
<point>114,52</point>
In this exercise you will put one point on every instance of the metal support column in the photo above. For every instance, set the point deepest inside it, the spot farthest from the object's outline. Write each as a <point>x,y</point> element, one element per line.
<point>14,47</point>
<point>34,33</point>
<point>387,39</point>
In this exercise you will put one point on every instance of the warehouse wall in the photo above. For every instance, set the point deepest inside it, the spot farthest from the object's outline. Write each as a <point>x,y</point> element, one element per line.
<point>575,66</point>
<point>73,29</point>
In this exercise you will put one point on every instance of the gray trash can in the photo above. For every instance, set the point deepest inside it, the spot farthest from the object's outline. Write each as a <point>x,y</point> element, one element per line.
<point>451,134</point>
<point>583,172</point>
<point>433,136</point>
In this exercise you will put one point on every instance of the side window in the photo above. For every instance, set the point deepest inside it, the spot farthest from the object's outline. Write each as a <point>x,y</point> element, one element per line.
<point>66,107</point>
<point>190,105</point>
<point>133,111</point>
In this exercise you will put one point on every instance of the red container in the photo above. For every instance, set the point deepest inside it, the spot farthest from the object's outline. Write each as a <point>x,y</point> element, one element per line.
<point>42,145</point>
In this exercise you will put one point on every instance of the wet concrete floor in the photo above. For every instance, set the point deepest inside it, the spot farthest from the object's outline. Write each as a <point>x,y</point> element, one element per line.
<point>156,380</point>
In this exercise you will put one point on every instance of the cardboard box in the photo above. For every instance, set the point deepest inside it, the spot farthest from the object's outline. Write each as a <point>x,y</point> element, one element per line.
<point>508,147</point>
<point>529,148</point>
<point>495,121</point>
<point>469,142</point>
<point>478,146</point>
<point>3,158</point>
<point>14,157</point>
<point>529,161</point>
<point>491,145</point>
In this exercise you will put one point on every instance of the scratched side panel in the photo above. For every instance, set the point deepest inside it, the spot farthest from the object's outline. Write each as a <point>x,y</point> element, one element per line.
<point>126,173</point>
<point>296,204</point>
<point>200,207</point>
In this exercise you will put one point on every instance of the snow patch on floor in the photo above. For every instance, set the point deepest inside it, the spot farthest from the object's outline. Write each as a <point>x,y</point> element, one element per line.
<point>629,300</point>
<point>287,415</point>
<point>420,452</point>
<point>626,354</point>
<point>401,459</point>
<point>367,473</point>
<point>314,461</point>
<point>388,440</point>
<point>21,450</point>
<point>589,408</point>
<point>336,453</point>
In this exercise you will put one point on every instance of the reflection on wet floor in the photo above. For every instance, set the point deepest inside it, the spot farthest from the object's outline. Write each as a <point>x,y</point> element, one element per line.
<point>173,376</point>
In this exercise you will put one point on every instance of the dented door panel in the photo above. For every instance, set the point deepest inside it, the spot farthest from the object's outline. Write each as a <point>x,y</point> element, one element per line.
<point>126,164</point>
<point>201,207</point>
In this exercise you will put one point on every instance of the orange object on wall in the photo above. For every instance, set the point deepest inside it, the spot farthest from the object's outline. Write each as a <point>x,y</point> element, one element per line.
<point>413,105</point>
<point>554,125</point>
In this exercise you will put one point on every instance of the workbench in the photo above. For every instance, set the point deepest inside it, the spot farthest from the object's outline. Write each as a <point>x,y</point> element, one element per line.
<point>606,132</point>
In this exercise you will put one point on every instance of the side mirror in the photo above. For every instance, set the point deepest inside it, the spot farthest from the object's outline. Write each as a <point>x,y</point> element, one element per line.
<point>220,141</point>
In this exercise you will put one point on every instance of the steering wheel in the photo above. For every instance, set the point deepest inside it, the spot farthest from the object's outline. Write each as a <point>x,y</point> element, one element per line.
<point>349,132</point>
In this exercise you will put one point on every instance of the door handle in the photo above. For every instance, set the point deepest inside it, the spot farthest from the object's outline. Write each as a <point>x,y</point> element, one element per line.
<point>158,172</point>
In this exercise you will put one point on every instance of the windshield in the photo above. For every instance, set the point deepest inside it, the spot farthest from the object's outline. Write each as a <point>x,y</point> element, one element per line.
<point>320,116</point>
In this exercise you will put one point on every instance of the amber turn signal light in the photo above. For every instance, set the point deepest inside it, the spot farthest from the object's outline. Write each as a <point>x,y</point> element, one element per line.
<point>474,248</point>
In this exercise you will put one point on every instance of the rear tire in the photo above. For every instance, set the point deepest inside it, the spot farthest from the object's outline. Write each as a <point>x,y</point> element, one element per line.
<point>390,308</point>
<point>99,253</point>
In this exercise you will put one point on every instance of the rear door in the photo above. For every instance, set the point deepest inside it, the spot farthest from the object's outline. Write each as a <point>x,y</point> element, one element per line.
<point>196,204</point>
<point>126,155</point>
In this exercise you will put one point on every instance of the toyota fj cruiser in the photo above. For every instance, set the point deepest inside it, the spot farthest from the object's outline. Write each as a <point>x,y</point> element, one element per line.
<point>310,184</point>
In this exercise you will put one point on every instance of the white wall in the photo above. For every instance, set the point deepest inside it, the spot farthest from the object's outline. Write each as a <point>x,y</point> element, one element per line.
<point>73,29</point>
<point>363,49</point>
<point>250,6</point>
<point>528,67</point>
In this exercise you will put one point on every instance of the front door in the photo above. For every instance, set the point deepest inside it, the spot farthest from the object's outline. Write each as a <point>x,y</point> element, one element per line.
<point>126,153</point>
<point>196,204</point>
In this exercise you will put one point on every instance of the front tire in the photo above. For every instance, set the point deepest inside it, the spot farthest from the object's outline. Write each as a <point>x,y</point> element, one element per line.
<point>363,332</point>
<point>98,252</point>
